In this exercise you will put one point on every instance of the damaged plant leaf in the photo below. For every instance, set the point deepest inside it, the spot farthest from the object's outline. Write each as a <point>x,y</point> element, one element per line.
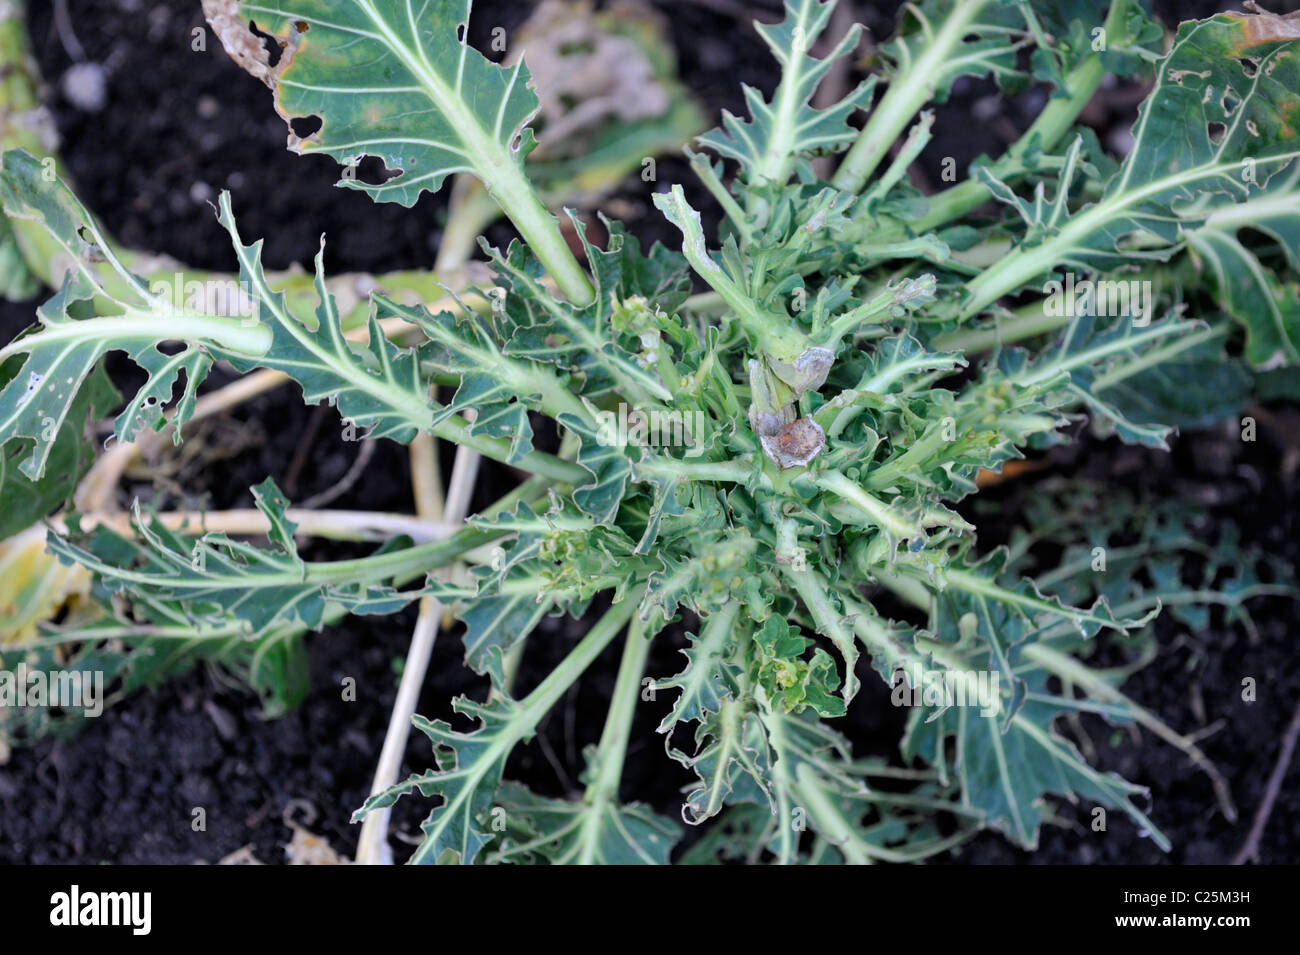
<point>774,462</point>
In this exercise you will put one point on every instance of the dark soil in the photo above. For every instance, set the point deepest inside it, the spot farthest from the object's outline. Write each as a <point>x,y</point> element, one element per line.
<point>179,126</point>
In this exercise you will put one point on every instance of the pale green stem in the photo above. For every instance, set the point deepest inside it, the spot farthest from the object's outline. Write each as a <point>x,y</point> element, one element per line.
<point>141,324</point>
<point>783,781</point>
<point>725,199</point>
<point>1068,668</point>
<point>829,621</point>
<point>524,720</point>
<point>916,141</point>
<point>895,467</point>
<point>872,507</point>
<point>906,95</point>
<point>602,792</point>
<point>1052,123</point>
<point>829,821</point>
<point>497,167</point>
<point>1026,322</point>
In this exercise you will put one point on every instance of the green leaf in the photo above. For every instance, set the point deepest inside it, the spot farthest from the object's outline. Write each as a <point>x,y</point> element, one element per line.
<point>731,761</point>
<point>467,777</point>
<point>1215,131</point>
<point>380,388</point>
<point>145,410</point>
<point>219,581</point>
<point>385,81</point>
<point>732,839</point>
<point>563,832</point>
<point>598,829</point>
<point>376,386</point>
<point>789,128</point>
<point>469,765</point>
<point>985,621</point>
<point>17,283</point>
<point>790,680</point>
<point>709,677</point>
<point>609,466</point>
<point>1005,774</point>
<point>1263,298</point>
<point>582,340</point>
<point>991,34</point>
<point>499,391</point>
<point>890,366</point>
<point>28,502</point>
<point>1196,388</point>
<point>38,399</point>
<point>1093,354</point>
<point>549,560</point>
<point>495,625</point>
<point>989,621</point>
<point>705,579</point>
<point>362,66</point>
<point>1077,27</point>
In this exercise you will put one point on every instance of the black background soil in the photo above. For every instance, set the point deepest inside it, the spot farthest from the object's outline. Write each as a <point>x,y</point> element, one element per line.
<point>179,126</point>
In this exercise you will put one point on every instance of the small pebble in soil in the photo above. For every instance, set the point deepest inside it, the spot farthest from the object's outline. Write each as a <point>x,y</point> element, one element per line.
<point>85,87</point>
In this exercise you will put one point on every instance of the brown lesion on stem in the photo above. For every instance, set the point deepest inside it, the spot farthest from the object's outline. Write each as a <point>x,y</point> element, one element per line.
<point>795,444</point>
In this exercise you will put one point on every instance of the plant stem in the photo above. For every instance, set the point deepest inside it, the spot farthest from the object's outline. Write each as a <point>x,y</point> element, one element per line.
<point>739,220</point>
<point>602,792</point>
<point>1068,668</point>
<point>332,525</point>
<point>538,703</point>
<point>774,723</point>
<point>889,472</point>
<point>1052,123</point>
<point>736,470</point>
<point>774,334</point>
<point>829,819</point>
<point>829,620</point>
<point>372,845</point>
<point>496,166</point>
<point>873,508</point>
<point>905,96</point>
<point>1028,321</point>
<point>909,589</point>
